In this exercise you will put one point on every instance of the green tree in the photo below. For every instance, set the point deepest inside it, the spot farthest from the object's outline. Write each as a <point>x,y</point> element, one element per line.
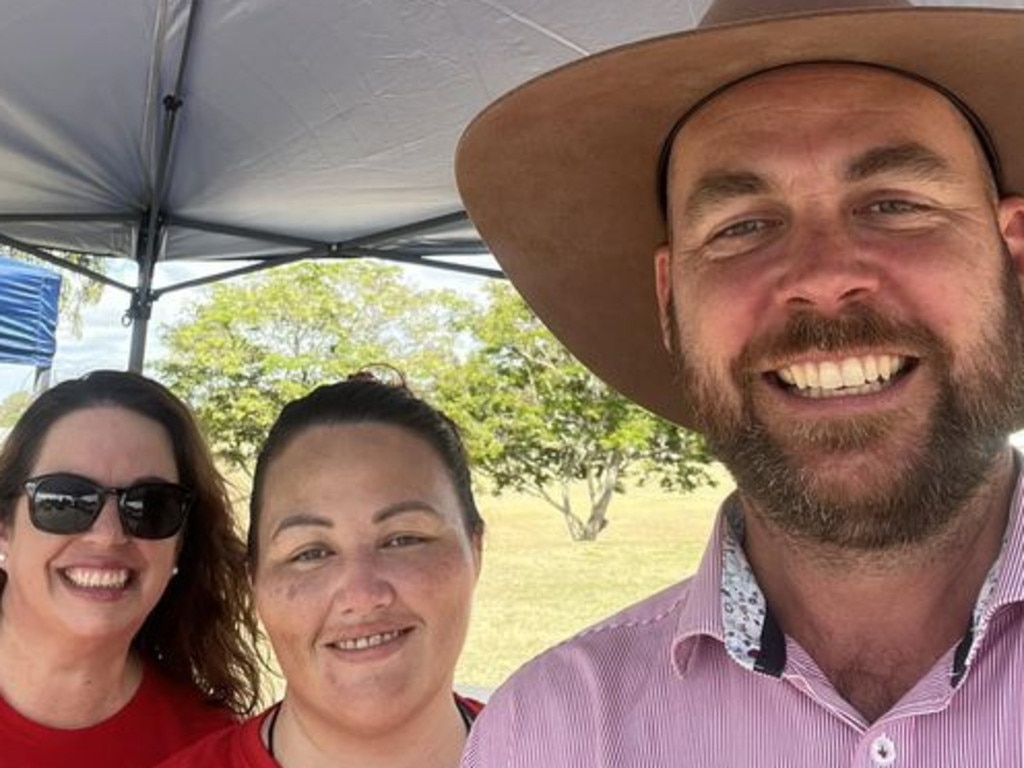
<point>247,347</point>
<point>12,407</point>
<point>537,421</point>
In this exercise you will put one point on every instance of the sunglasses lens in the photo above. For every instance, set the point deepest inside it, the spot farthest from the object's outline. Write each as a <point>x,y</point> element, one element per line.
<point>64,504</point>
<point>154,510</point>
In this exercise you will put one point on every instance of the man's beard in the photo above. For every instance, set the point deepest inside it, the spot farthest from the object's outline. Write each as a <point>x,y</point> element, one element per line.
<point>970,418</point>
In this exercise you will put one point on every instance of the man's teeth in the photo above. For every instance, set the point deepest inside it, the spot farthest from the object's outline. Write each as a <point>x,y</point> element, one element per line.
<point>369,641</point>
<point>97,578</point>
<point>851,376</point>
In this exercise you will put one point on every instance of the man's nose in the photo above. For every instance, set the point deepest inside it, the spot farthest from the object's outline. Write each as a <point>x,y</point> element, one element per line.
<point>826,269</point>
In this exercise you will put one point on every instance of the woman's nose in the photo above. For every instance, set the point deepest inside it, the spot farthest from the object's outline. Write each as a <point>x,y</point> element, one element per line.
<point>107,526</point>
<point>365,586</point>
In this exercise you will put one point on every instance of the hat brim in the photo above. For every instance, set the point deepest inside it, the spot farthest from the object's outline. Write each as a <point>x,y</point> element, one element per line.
<point>560,175</point>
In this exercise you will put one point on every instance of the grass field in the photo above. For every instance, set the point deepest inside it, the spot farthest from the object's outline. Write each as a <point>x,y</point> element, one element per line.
<point>539,587</point>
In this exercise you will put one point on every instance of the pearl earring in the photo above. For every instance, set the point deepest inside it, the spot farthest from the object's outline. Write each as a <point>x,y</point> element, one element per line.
<point>174,571</point>
<point>3,557</point>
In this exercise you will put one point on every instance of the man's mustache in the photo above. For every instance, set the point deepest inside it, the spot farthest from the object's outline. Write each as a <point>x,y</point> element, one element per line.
<point>858,328</point>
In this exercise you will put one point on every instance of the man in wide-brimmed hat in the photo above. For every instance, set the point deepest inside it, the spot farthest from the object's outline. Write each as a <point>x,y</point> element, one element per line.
<point>796,230</point>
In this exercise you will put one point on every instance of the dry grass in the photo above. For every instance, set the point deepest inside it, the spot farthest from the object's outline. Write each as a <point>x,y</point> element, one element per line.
<point>538,587</point>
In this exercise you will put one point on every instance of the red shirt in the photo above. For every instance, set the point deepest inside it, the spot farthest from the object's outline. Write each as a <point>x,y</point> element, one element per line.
<point>238,747</point>
<point>242,746</point>
<point>161,718</point>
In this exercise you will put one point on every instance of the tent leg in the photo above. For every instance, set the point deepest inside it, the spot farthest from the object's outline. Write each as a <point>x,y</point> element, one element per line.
<point>42,379</point>
<point>140,328</point>
<point>138,315</point>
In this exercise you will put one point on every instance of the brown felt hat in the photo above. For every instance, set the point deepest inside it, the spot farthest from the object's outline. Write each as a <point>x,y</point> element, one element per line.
<point>560,176</point>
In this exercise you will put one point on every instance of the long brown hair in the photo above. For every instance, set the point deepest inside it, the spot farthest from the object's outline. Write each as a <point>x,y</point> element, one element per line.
<point>203,631</point>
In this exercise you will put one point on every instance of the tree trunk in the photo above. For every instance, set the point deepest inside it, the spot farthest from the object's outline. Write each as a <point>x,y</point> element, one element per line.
<point>601,488</point>
<point>577,530</point>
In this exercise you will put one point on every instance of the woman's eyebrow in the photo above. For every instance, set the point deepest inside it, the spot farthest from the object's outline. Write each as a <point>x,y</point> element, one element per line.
<point>405,507</point>
<point>299,520</point>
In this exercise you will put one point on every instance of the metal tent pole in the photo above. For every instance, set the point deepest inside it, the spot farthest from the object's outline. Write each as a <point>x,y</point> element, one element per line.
<point>139,312</point>
<point>152,224</point>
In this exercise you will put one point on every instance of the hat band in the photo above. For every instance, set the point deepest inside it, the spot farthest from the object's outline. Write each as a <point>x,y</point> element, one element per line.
<point>977,126</point>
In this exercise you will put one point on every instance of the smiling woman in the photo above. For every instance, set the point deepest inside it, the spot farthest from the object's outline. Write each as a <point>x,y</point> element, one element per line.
<point>364,545</point>
<point>126,631</point>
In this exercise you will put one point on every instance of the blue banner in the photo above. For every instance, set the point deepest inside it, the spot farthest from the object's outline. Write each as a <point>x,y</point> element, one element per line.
<point>28,313</point>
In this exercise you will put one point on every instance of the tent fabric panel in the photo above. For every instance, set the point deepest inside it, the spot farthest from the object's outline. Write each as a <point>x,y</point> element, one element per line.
<point>320,119</point>
<point>98,238</point>
<point>76,118</point>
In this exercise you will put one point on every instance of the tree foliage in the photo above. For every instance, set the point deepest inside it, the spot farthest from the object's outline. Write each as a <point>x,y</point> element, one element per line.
<point>248,347</point>
<point>12,406</point>
<point>537,421</point>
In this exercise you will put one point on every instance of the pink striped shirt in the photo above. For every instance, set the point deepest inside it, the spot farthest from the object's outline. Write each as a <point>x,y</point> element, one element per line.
<point>699,675</point>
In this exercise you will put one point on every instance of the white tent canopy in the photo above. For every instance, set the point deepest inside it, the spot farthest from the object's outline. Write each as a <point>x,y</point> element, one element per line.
<point>267,130</point>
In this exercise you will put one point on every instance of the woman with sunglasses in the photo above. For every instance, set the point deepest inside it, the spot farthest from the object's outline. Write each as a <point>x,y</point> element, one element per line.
<point>364,544</point>
<point>126,629</point>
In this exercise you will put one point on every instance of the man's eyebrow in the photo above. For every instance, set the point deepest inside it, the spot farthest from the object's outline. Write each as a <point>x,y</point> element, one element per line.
<point>719,187</point>
<point>909,158</point>
<point>300,520</point>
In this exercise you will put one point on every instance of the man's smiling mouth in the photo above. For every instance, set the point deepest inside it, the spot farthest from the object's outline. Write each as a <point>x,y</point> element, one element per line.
<point>851,376</point>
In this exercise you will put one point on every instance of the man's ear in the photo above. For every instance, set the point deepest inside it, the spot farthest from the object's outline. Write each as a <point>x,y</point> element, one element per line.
<point>1011,227</point>
<point>663,288</point>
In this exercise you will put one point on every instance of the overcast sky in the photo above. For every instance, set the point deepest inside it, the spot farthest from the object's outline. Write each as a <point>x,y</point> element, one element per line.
<point>104,341</point>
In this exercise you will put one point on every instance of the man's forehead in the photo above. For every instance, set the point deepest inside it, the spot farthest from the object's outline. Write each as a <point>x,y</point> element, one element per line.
<point>737,125</point>
<point>793,92</point>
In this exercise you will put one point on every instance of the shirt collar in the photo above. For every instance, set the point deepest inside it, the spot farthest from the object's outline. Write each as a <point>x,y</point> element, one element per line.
<point>1005,582</point>
<point>725,602</point>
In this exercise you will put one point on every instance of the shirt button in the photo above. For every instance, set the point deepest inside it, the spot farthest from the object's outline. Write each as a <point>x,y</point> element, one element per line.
<point>883,751</point>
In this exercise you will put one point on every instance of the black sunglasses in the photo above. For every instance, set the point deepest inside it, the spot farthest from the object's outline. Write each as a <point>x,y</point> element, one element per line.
<point>64,503</point>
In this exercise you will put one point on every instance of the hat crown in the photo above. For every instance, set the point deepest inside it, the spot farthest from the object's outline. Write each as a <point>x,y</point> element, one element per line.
<point>733,11</point>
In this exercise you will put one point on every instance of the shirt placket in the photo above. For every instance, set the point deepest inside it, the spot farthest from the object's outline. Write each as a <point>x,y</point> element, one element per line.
<point>887,744</point>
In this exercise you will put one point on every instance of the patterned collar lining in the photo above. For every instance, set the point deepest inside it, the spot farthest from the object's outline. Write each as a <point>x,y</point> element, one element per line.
<point>745,613</point>
<point>751,634</point>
